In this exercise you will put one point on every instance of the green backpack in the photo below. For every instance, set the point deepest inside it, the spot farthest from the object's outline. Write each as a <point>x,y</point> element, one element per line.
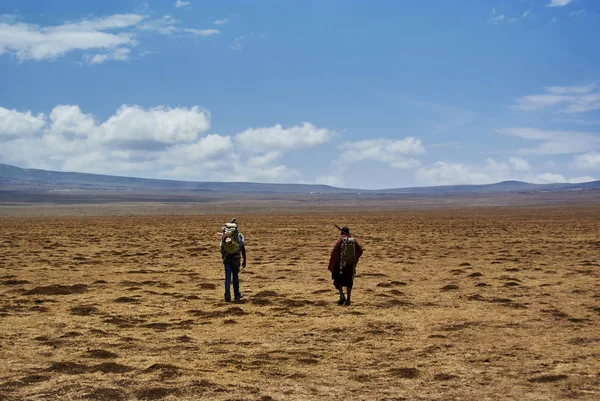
<point>231,238</point>
<point>347,251</point>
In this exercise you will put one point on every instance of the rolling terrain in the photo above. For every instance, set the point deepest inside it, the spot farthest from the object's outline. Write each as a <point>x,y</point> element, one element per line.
<point>457,304</point>
<point>14,180</point>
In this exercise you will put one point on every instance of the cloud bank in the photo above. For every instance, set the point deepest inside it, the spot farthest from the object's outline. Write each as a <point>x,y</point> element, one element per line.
<point>566,99</point>
<point>100,39</point>
<point>167,142</point>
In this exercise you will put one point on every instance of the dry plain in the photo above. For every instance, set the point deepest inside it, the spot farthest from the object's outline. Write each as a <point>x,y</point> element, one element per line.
<point>490,303</point>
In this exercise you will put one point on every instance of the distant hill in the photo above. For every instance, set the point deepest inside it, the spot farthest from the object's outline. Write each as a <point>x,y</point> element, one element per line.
<point>19,179</point>
<point>500,187</point>
<point>45,178</point>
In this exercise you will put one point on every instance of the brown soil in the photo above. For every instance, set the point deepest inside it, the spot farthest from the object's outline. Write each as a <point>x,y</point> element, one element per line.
<point>463,304</point>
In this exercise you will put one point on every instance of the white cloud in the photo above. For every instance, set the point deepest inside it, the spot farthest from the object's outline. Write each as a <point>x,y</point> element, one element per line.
<point>263,160</point>
<point>572,89</point>
<point>166,25</point>
<point>14,124</point>
<point>131,139</point>
<point>497,171</point>
<point>237,43</point>
<point>549,178</point>
<point>68,119</point>
<point>578,180</point>
<point>205,148</point>
<point>519,164</point>
<point>133,126</point>
<point>528,133</point>
<point>221,21</point>
<point>253,155</point>
<point>116,21</point>
<point>98,58</point>
<point>120,54</point>
<point>555,142</point>
<point>331,180</point>
<point>553,178</point>
<point>279,173</point>
<point>559,3</point>
<point>391,152</point>
<point>180,3</point>
<point>492,171</point>
<point>261,148</point>
<point>32,42</point>
<point>442,173</point>
<point>524,15</point>
<point>582,104</point>
<point>587,161</point>
<point>538,102</point>
<point>280,139</point>
<point>101,39</point>
<point>203,32</point>
<point>573,99</point>
<point>578,15</point>
<point>495,18</point>
<point>162,142</point>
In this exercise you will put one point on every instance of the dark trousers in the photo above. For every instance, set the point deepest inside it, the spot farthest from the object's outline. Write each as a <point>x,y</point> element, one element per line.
<point>232,272</point>
<point>343,277</point>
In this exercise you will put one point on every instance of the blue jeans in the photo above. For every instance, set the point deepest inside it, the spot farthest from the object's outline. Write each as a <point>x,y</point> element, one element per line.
<point>231,270</point>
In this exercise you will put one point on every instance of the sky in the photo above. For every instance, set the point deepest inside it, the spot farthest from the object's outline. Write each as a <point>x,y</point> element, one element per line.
<point>349,93</point>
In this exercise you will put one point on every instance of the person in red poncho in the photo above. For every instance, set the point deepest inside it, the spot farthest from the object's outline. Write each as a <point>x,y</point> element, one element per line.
<point>342,264</point>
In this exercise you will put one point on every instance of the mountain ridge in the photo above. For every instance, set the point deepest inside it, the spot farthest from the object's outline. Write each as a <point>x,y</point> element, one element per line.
<point>38,179</point>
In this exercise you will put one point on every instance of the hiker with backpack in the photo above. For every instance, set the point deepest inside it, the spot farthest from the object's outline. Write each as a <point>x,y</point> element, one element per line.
<point>342,264</point>
<point>233,250</point>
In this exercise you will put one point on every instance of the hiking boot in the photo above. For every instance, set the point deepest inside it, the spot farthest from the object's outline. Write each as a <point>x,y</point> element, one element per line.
<point>341,301</point>
<point>347,303</point>
<point>239,297</point>
<point>227,299</point>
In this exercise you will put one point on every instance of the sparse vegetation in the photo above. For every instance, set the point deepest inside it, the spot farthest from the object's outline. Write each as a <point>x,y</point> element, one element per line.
<point>494,303</point>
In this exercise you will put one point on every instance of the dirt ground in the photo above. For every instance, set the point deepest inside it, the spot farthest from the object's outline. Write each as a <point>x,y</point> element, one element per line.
<point>462,304</point>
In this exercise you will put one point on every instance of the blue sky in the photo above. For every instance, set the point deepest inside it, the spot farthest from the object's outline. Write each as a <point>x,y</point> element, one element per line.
<point>356,94</point>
